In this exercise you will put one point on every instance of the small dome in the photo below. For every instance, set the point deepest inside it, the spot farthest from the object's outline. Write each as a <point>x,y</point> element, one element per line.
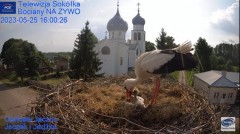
<point>117,23</point>
<point>138,20</point>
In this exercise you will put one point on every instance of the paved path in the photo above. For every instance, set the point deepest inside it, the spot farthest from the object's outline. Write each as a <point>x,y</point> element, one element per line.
<point>182,77</point>
<point>15,101</point>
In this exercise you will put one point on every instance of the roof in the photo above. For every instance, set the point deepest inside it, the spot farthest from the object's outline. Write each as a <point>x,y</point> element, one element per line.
<point>138,20</point>
<point>217,79</point>
<point>232,76</point>
<point>117,23</point>
<point>109,42</point>
<point>134,46</point>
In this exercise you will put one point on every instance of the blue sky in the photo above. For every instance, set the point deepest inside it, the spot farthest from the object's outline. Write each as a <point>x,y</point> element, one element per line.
<point>215,20</point>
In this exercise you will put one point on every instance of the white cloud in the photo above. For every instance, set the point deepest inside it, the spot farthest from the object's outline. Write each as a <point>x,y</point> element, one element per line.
<point>227,19</point>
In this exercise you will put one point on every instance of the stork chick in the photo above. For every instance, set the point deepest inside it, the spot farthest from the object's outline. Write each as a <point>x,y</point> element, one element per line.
<point>136,100</point>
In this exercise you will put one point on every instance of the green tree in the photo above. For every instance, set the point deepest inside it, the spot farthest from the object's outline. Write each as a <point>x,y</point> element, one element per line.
<point>203,52</point>
<point>7,59</point>
<point>214,62</point>
<point>150,46</point>
<point>43,59</point>
<point>228,51</point>
<point>32,58</point>
<point>84,61</point>
<point>14,58</point>
<point>22,56</point>
<point>164,41</point>
<point>221,60</point>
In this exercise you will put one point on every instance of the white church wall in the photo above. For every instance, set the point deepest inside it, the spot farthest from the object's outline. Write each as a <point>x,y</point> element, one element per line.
<point>138,27</point>
<point>108,65</point>
<point>131,58</point>
<point>122,59</point>
<point>119,35</point>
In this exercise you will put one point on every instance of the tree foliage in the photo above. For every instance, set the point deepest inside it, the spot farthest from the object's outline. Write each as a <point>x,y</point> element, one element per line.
<point>22,56</point>
<point>203,52</point>
<point>150,46</point>
<point>8,47</point>
<point>228,52</point>
<point>84,61</point>
<point>164,41</point>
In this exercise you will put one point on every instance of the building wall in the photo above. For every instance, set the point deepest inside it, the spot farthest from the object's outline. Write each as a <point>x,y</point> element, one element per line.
<point>227,91</point>
<point>108,61</point>
<point>119,35</point>
<point>62,65</point>
<point>139,29</point>
<point>209,92</point>
<point>116,63</point>
<point>122,59</point>
<point>132,57</point>
<point>201,87</point>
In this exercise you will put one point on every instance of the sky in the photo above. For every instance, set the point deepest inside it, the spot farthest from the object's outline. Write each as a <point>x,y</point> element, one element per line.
<point>215,20</point>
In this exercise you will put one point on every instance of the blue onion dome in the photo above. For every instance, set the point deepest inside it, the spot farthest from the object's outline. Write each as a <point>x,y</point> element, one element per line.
<point>117,23</point>
<point>138,20</point>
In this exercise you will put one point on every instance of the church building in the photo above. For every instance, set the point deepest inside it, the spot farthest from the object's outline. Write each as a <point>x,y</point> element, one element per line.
<point>117,54</point>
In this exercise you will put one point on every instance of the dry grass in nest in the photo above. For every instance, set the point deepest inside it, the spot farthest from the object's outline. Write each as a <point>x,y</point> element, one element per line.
<point>99,107</point>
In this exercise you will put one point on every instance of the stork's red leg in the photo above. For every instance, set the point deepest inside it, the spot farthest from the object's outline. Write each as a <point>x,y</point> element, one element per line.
<point>128,95</point>
<point>155,94</point>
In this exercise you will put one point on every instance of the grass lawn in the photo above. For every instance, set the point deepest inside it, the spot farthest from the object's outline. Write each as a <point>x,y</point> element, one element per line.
<point>11,80</point>
<point>188,74</point>
<point>54,81</point>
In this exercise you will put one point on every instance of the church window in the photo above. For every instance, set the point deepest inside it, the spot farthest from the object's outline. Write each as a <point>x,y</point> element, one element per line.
<point>139,36</point>
<point>121,60</point>
<point>135,36</point>
<point>105,50</point>
<point>137,52</point>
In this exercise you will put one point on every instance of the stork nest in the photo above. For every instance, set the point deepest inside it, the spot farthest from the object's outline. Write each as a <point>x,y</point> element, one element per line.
<point>99,107</point>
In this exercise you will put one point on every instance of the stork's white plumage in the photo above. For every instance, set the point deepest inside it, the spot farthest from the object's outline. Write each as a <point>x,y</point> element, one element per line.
<point>157,62</point>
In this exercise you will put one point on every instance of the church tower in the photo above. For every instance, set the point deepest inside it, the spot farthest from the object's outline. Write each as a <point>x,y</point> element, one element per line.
<point>138,33</point>
<point>117,27</point>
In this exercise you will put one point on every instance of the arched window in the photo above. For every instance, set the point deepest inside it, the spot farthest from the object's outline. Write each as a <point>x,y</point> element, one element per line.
<point>139,36</point>
<point>135,36</point>
<point>121,60</point>
<point>105,50</point>
<point>137,52</point>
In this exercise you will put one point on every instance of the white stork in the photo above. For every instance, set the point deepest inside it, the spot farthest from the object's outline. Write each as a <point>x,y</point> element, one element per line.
<point>158,62</point>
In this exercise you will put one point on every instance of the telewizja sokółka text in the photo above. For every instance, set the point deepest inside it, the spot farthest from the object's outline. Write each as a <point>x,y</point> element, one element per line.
<point>46,7</point>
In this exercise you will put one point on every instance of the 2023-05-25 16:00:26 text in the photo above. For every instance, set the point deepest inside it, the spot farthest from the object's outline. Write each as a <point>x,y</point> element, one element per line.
<point>12,20</point>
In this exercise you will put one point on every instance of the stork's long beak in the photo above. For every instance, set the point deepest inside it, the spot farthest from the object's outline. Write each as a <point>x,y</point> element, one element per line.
<point>128,95</point>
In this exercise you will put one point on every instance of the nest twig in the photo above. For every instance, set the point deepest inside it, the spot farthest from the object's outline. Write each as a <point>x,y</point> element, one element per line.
<point>97,107</point>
